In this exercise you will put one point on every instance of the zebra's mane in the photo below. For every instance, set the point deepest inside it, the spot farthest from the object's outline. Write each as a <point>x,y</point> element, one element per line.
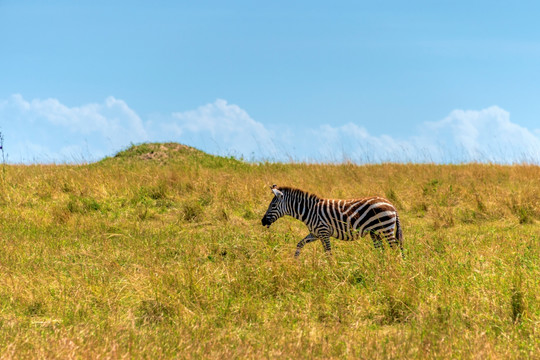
<point>296,192</point>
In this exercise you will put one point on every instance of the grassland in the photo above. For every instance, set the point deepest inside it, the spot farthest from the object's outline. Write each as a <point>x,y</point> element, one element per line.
<point>159,253</point>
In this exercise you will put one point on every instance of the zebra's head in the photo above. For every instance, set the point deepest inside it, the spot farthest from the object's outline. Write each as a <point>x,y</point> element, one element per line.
<point>276,209</point>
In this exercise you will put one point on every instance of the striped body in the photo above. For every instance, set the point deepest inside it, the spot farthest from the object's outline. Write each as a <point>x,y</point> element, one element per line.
<point>340,219</point>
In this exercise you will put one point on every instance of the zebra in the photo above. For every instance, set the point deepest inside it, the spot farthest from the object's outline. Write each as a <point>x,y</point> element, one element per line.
<point>341,219</point>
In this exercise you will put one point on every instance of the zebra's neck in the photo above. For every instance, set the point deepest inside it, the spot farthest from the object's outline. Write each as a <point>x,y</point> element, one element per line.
<point>300,204</point>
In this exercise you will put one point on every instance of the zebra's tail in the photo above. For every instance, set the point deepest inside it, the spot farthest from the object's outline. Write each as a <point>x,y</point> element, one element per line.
<point>399,235</point>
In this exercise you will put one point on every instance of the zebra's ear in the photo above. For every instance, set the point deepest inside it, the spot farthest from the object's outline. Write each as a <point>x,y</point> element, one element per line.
<point>277,192</point>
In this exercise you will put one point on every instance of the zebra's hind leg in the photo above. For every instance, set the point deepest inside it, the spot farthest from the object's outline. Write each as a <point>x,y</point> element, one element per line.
<point>390,238</point>
<point>393,241</point>
<point>303,242</point>
<point>377,240</point>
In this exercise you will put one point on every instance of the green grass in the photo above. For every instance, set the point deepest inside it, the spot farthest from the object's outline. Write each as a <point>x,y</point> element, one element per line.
<point>163,256</point>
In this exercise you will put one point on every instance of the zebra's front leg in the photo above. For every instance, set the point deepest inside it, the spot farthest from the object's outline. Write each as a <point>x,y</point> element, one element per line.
<point>303,242</point>
<point>326,245</point>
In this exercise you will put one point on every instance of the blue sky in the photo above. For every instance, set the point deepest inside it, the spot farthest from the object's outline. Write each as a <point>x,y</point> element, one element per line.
<point>445,81</point>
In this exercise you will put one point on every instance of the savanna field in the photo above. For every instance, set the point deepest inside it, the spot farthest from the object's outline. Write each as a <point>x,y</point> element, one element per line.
<point>159,252</point>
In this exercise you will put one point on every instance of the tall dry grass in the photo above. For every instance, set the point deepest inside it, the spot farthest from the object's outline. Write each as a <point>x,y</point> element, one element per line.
<point>163,256</point>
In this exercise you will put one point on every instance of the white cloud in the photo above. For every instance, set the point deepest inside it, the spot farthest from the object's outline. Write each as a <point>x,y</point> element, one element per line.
<point>49,131</point>
<point>354,143</point>
<point>222,128</point>
<point>463,136</point>
<point>112,118</point>
<point>483,135</point>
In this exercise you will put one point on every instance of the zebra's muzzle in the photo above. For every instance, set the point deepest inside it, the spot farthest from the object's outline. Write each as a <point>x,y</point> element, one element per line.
<point>266,222</point>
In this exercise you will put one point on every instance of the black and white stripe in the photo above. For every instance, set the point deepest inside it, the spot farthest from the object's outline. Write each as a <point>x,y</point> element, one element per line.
<point>340,219</point>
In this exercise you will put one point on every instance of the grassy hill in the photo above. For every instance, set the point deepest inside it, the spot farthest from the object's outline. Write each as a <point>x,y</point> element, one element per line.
<point>158,252</point>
